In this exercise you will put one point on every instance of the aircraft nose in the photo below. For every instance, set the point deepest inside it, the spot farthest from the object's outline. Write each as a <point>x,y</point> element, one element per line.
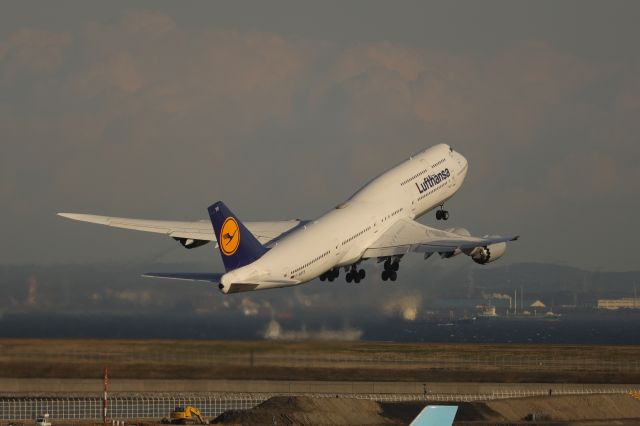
<point>462,163</point>
<point>463,160</point>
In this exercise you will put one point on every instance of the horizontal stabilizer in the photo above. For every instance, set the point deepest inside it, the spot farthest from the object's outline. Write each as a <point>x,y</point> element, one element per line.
<point>211,277</point>
<point>241,288</point>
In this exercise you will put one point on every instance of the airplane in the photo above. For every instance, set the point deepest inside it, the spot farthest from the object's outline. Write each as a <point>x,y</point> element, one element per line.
<point>377,222</point>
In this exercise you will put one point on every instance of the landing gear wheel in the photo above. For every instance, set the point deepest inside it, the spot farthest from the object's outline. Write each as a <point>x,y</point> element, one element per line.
<point>393,275</point>
<point>361,274</point>
<point>387,265</point>
<point>323,277</point>
<point>395,266</point>
<point>385,275</point>
<point>356,279</point>
<point>349,277</point>
<point>442,214</point>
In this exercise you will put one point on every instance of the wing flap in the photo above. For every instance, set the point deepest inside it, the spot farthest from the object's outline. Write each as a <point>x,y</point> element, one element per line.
<point>387,251</point>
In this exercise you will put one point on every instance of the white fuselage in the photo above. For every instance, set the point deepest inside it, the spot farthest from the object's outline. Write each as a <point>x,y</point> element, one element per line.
<point>341,236</point>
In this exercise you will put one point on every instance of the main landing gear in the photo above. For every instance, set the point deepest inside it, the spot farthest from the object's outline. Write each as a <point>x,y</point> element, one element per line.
<point>355,275</point>
<point>442,214</point>
<point>391,269</point>
<point>330,275</point>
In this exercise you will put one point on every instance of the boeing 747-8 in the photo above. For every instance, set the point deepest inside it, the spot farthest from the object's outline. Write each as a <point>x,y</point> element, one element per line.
<point>377,222</point>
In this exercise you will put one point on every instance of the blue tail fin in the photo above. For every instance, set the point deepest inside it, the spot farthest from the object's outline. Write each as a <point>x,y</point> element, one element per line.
<point>237,245</point>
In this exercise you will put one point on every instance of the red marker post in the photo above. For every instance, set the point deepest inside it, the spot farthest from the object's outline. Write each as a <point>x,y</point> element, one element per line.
<point>106,387</point>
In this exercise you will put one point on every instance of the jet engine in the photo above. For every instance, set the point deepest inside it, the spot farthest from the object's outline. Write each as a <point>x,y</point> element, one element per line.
<point>488,254</point>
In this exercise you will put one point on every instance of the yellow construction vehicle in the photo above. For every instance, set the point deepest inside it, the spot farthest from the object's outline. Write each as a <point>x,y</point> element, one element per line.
<point>186,415</point>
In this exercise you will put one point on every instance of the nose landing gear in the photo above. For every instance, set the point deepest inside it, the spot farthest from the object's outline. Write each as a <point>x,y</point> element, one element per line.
<point>442,214</point>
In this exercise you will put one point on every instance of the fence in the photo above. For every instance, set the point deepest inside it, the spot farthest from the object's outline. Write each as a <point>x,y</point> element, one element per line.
<point>496,394</point>
<point>121,408</point>
<point>25,408</point>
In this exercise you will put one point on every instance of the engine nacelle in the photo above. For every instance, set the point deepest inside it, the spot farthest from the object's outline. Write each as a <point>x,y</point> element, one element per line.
<point>488,254</point>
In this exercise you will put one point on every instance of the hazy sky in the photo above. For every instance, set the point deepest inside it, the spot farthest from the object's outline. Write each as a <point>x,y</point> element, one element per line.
<point>283,109</point>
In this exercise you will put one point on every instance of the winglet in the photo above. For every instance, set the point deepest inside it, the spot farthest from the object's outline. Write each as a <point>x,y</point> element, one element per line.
<point>238,246</point>
<point>91,218</point>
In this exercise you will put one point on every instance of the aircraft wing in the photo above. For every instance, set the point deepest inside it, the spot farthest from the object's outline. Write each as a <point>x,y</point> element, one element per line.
<point>265,232</point>
<point>410,236</point>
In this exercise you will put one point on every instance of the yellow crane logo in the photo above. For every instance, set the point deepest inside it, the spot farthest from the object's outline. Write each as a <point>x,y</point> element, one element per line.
<point>229,239</point>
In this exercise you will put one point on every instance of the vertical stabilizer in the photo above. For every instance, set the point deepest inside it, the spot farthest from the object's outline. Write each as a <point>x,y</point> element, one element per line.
<point>238,247</point>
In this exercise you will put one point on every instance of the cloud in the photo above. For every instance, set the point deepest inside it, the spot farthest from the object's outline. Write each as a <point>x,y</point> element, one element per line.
<point>33,52</point>
<point>181,71</point>
<point>584,174</point>
<point>147,116</point>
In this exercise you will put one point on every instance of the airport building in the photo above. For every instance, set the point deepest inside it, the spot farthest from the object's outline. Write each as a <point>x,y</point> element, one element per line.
<point>624,303</point>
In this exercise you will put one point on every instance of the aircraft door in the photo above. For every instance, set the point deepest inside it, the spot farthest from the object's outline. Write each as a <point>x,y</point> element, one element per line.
<point>338,247</point>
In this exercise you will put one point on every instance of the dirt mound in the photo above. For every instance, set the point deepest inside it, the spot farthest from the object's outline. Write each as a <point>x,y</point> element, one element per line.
<point>605,407</point>
<point>569,407</point>
<point>308,411</point>
<point>348,411</point>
